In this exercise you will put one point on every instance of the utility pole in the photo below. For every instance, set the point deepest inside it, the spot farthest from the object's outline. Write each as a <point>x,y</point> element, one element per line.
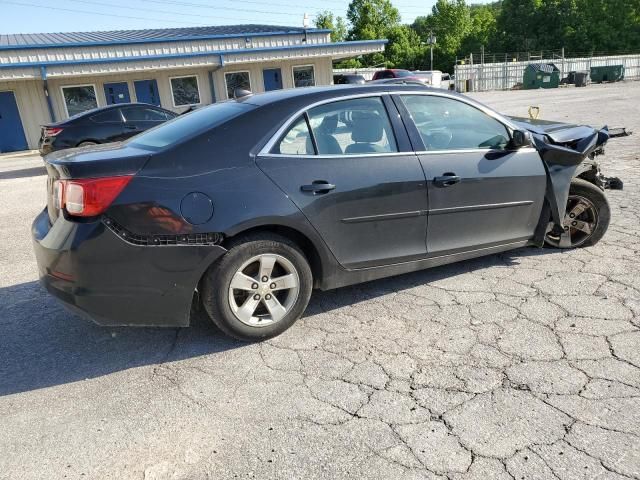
<point>431,42</point>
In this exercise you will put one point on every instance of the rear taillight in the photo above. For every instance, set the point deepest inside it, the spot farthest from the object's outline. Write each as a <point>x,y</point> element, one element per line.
<point>88,197</point>
<point>51,132</point>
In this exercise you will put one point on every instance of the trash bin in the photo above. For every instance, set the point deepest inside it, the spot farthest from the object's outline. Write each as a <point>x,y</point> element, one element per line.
<point>608,73</point>
<point>580,79</point>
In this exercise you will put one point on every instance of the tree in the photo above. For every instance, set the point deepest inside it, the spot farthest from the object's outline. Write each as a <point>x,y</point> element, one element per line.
<point>337,25</point>
<point>483,31</point>
<point>405,48</point>
<point>371,19</point>
<point>450,21</point>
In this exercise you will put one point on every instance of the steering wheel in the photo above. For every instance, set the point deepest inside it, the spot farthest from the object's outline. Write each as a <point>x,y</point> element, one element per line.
<point>438,139</point>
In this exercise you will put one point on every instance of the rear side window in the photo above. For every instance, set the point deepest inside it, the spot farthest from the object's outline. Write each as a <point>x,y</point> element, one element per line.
<point>352,127</point>
<point>448,124</point>
<point>110,116</point>
<point>297,140</point>
<point>187,126</point>
<point>144,114</point>
<point>347,127</point>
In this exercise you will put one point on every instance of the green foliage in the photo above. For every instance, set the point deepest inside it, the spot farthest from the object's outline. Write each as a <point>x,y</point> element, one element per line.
<point>371,19</point>
<point>405,49</point>
<point>337,25</point>
<point>579,26</point>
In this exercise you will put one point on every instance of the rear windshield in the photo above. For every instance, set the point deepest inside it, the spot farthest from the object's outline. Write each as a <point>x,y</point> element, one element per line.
<point>189,125</point>
<point>403,73</point>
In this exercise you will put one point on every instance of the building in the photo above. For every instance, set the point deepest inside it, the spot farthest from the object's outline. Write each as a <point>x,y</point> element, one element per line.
<point>51,76</point>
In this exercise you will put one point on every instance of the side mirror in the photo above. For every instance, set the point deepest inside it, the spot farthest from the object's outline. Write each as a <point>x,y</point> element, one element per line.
<point>520,139</point>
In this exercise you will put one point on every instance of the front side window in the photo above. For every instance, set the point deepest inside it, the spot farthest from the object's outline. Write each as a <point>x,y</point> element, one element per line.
<point>304,76</point>
<point>352,127</point>
<point>297,140</point>
<point>185,91</point>
<point>237,81</point>
<point>144,114</point>
<point>448,124</point>
<point>79,99</point>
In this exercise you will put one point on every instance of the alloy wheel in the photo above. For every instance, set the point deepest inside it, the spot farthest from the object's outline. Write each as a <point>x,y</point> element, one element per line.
<point>263,290</point>
<point>580,221</point>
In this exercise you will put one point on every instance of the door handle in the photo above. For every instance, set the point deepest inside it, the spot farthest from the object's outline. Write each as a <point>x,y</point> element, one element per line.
<point>131,127</point>
<point>318,186</point>
<point>446,180</point>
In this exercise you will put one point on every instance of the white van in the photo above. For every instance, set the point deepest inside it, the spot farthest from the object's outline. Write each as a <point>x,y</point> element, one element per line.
<point>433,78</point>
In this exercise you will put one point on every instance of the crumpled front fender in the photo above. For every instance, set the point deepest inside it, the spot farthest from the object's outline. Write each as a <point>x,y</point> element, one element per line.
<point>561,163</point>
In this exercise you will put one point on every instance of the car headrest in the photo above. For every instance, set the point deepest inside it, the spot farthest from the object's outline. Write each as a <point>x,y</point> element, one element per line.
<point>367,127</point>
<point>329,124</point>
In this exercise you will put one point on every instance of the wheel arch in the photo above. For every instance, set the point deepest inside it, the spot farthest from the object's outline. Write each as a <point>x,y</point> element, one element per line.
<point>303,241</point>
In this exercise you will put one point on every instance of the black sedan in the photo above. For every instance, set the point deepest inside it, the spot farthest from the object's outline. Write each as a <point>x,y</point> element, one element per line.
<point>102,125</point>
<point>246,206</point>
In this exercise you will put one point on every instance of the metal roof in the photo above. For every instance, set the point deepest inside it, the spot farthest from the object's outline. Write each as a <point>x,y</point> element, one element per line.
<point>68,39</point>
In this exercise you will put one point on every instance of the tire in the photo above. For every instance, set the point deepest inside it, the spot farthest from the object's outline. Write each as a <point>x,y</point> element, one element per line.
<point>243,263</point>
<point>596,213</point>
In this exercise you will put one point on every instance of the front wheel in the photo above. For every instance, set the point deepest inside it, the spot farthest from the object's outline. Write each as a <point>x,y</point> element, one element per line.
<point>258,289</point>
<point>586,219</point>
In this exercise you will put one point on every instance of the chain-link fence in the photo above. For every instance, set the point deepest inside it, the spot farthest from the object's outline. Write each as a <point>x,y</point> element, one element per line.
<point>509,74</point>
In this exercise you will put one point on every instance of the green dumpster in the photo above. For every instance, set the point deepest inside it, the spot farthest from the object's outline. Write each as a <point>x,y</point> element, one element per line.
<point>608,73</point>
<point>541,75</point>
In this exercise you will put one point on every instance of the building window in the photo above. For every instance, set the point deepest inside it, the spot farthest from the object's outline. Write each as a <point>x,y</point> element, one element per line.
<point>79,99</point>
<point>235,81</point>
<point>185,91</point>
<point>304,76</point>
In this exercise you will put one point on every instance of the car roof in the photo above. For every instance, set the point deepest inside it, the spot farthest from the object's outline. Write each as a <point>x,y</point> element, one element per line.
<point>337,91</point>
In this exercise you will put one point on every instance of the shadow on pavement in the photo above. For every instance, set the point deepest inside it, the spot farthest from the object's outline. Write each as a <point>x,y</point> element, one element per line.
<point>42,345</point>
<point>22,173</point>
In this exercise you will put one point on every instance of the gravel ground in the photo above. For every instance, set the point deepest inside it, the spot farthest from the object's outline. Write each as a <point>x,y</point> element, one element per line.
<point>522,365</point>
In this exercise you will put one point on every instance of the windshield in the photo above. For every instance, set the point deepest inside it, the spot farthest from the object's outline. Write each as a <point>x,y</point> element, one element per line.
<point>186,126</point>
<point>403,73</point>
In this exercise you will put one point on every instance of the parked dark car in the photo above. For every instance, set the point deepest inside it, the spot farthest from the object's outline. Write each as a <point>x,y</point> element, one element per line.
<point>348,79</point>
<point>394,73</point>
<point>245,206</point>
<point>102,125</point>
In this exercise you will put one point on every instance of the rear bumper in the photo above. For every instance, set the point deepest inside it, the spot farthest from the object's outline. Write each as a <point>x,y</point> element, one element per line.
<point>98,274</point>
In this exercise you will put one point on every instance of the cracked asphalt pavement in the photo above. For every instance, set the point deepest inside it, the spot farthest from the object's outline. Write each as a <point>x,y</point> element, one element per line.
<point>523,365</point>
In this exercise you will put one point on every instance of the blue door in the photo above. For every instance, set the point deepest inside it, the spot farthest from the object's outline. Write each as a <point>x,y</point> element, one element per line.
<point>147,92</point>
<point>272,79</point>
<point>117,93</point>
<point>12,136</point>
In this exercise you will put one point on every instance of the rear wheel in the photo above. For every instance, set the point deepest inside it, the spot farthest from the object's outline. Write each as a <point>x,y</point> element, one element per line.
<point>586,219</point>
<point>258,289</point>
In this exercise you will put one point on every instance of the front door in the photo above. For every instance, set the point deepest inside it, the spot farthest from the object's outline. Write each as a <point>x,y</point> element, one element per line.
<point>481,193</point>
<point>12,137</point>
<point>116,93</point>
<point>147,92</point>
<point>365,197</point>
<point>272,79</point>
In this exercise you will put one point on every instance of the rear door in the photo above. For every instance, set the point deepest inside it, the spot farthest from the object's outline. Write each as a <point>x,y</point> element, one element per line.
<point>349,167</point>
<point>138,118</point>
<point>481,193</point>
<point>103,127</point>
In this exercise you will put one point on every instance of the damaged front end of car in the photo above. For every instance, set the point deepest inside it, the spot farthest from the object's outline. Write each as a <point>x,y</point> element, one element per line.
<point>568,152</point>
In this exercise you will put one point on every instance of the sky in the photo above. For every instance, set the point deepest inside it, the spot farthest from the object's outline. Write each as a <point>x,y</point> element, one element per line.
<point>39,16</point>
